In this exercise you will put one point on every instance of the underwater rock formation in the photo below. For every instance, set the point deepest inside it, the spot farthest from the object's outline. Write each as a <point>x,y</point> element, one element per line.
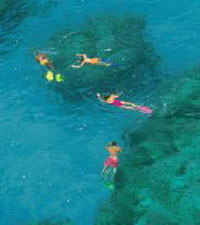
<point>158,181</point>
<point>120,39</point>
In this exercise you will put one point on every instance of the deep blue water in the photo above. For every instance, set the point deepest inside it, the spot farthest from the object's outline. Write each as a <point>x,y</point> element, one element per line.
<point>52,151</point>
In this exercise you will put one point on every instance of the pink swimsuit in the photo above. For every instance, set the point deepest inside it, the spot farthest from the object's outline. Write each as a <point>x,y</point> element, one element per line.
<point>112,162</point>
<point>117,103</point>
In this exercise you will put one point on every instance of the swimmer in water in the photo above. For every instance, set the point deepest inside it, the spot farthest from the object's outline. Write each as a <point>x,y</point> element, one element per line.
<point>112,161</point>
<point>110,99</point>
<point>92,61</point>
<point>43,60</point>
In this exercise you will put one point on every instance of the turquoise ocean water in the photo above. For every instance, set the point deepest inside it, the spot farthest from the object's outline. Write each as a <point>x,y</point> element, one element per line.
<point>52,148</point>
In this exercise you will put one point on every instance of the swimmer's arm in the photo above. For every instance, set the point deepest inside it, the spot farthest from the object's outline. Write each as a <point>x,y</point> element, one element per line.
<point>84,55</point>
<point>99,97</point>
<point>115,96</point>
<point>78,66</point>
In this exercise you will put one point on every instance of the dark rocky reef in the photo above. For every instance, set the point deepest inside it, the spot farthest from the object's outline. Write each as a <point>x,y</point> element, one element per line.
<point>121,39</point>
<point>158,181</point>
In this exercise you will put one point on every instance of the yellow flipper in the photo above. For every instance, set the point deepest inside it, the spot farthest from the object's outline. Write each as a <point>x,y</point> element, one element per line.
<point>49,76</point>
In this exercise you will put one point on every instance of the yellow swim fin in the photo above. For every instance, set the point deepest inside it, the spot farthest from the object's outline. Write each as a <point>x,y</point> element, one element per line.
<point>49,76</point>
<point>59,77</point>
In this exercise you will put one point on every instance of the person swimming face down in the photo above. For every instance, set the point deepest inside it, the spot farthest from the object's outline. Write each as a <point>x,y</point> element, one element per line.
<point>93,61</point>
<point>110,99</point>
<point>43,60</point>
<point>112,161</point>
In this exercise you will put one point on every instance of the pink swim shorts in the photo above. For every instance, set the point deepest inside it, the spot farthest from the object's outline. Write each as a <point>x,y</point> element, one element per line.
<point>112,162</point>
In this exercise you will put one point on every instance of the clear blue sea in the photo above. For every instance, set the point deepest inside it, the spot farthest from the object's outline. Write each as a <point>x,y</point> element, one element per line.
<point>52,149</point>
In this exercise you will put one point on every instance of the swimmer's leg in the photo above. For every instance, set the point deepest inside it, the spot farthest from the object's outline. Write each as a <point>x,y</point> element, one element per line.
<point>108,62</point>
<point>114,172</point>
<point>105,170</point>
<point>128,107</point>
<point>106,175</point>
<point>105,62</point>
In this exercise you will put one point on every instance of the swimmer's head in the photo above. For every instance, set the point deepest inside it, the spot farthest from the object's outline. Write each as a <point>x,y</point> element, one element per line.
<point>112,143</point>
<point>106,97</point>
<point>80,60</point>
<point>112,147</point>
<point>40,56</point>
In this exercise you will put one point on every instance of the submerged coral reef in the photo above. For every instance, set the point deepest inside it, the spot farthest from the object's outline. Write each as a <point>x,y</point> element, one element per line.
<point>120,39</point>
<point>158,181</point>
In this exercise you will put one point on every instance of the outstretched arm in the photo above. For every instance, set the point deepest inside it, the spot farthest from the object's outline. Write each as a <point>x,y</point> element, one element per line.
<point>99,97</point>
<point>78,66</point>
<point>84,55</point>
<point>115,96</point>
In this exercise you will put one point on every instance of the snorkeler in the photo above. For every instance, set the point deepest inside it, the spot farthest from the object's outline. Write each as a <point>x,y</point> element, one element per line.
<point>92,61</point>
<point>110,99</point>
<point>43,60</point>
<point>112,161</point>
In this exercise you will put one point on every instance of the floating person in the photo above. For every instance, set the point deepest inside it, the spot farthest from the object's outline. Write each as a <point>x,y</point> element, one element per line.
<point>111,163</point>
<point>93,61</point>
<point>44,61</point>
<point>110,99</point>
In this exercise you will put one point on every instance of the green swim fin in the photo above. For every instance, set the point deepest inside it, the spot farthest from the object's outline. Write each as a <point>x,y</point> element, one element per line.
<point>59,77</point>
<point>109,185</point>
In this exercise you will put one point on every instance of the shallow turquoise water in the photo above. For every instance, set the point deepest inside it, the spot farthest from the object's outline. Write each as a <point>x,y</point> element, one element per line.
<point>52,150</point>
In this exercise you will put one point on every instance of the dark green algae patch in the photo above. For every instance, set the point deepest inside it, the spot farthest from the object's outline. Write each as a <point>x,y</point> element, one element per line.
<point>120,39</point>
<point>158,182</point>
